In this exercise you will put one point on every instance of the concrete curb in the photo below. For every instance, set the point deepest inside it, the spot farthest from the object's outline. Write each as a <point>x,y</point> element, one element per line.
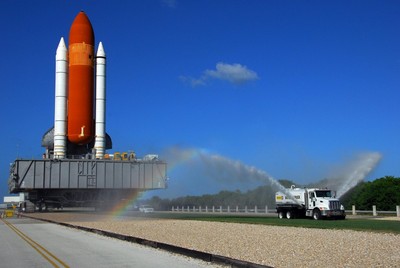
<point>208,257</point>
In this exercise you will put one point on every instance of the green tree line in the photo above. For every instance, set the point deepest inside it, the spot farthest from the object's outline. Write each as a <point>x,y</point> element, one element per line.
<point>383,192</point>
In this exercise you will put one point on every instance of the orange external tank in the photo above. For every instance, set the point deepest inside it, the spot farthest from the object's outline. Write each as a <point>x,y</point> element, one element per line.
<point>81,80</point>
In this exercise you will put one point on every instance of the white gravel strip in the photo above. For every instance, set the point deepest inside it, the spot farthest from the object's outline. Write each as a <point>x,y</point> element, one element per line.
<point>268,245</point>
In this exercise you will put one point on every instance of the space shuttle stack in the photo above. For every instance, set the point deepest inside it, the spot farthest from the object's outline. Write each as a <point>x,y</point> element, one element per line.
<point>74,90</point>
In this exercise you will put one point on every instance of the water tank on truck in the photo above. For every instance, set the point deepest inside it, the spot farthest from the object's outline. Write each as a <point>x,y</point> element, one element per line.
<point>308,202</point>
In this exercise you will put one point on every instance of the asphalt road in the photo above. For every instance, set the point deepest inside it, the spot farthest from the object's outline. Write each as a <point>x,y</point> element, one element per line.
<point>26,242</point>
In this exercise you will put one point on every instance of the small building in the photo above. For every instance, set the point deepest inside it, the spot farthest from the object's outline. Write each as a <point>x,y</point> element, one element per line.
<point>14,199</point>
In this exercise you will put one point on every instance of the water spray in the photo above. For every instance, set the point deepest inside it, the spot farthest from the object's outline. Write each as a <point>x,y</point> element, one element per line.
<point>224,169</point>
<point>360,169</point>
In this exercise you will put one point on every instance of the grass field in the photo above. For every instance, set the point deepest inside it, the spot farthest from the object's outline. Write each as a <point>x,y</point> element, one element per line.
<point>370,225</point>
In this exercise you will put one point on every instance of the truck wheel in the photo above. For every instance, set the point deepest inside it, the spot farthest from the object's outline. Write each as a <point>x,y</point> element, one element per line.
<point>289,215</point>
<point>316,214</point>
<point>281,215</point>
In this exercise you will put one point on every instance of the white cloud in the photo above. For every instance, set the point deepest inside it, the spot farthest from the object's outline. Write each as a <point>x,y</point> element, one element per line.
<point>233,73</point>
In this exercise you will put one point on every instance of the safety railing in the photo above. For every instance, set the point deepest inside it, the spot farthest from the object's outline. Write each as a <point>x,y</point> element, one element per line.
<point>265,210</point>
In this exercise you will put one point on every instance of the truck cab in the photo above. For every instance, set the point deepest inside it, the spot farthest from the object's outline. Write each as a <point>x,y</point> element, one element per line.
<point>308,202</point>
<point>321,203</point>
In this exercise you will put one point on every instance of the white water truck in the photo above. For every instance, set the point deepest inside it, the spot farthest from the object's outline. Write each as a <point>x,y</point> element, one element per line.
<point>308,202</point>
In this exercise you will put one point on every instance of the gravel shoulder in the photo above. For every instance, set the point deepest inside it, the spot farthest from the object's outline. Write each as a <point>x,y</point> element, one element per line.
<point>268,245</point>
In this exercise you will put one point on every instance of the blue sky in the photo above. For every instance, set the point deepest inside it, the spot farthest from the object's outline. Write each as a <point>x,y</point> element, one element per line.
<point>294,88</point>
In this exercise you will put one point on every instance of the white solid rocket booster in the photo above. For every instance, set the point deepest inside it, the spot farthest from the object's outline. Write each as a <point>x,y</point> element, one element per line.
<point>60,110</point>
<point>100,133</point>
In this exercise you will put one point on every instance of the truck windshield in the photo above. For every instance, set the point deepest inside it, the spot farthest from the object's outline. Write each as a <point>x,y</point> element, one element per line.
<point>323,193</point>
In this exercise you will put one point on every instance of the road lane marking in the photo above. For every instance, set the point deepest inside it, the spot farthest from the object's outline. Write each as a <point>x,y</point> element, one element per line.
<point>40,249</point>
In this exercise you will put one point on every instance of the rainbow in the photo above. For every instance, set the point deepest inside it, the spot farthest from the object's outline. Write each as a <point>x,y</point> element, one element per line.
<point>120,208</point>
<point>177,157</point>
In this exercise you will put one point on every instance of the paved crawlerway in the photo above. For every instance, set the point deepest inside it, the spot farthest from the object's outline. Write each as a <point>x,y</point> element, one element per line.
<point>208,257</point>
